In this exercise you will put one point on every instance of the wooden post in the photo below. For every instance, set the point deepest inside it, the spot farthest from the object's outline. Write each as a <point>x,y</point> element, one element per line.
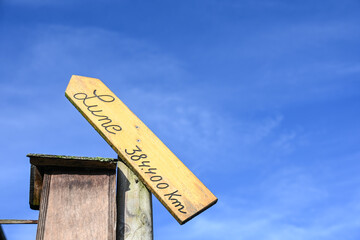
<point>134,207</point>
<point>77,197</point>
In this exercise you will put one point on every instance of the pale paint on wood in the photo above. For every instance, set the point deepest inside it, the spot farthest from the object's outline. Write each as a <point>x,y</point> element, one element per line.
<point>185,196</point>
<point>78,205</point>
<point>134,207</point>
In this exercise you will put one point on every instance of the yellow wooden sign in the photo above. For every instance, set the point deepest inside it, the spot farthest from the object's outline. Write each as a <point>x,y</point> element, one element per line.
<point>177,188</point>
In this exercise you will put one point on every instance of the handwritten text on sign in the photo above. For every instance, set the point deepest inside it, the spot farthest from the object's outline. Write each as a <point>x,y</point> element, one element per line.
<point>156,178</point>
<point>95,111</point>
<point>144,164</point>
<point>178,189</point>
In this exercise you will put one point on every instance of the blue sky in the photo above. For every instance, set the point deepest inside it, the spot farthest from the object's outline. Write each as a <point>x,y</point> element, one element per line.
<point>260,99</point>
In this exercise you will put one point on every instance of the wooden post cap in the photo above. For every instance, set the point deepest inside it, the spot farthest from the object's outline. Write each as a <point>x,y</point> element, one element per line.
<point>40,161</point>
<point>71,161</point>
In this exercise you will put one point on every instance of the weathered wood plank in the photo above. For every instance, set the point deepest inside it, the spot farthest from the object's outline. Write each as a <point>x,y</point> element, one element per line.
<point>17,221</point>
<point>35,187</point>
<point>71,161</point>
<point>134,207</point>
<point>78,204</point>
<point>43,206</point>
<point>41,161</point>
<point>178,189</point>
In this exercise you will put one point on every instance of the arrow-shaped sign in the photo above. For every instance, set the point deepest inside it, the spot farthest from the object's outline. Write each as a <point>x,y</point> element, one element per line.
<point>177,188</point>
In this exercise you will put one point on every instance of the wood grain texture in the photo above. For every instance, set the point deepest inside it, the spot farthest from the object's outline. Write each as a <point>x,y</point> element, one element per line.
<point>17,221</point>
<point>39,162</point>
<point>78,204</point>
<point>134,207</point>
<point>178,189</point>
<point>43,206</point>
<point>35,187</point>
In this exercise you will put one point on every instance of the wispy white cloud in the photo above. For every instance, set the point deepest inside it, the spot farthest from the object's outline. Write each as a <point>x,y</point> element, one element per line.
<point>276,211</point>
<point>285,141</point>
<point>53,50</point>
<point>292,63</point>
<point>255,132</point>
